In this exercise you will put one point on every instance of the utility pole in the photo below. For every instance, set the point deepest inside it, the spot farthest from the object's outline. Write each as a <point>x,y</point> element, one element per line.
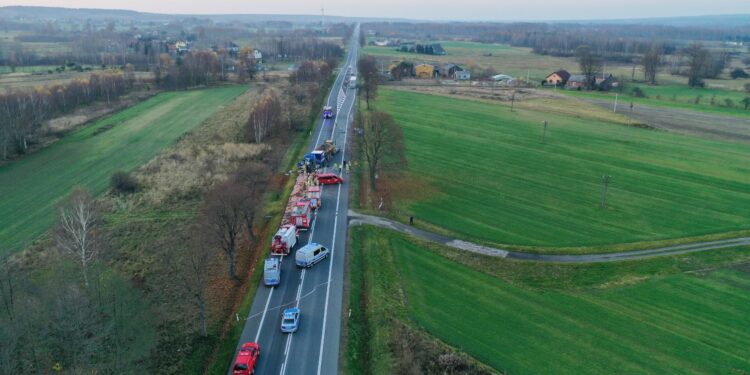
<point>605,183</point>
<point>512,100</point>
<point>544,133</point>
<point>616,96</point>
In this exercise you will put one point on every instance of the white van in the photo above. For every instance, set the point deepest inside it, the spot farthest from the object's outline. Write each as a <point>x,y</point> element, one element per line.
<point>310,254</point>
<point>272,272</point>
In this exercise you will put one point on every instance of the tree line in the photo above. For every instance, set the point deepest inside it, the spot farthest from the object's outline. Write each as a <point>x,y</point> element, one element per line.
<point>23,111</point>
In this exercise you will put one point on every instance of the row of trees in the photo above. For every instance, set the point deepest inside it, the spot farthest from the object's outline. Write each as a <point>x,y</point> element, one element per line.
<point>22,111</point>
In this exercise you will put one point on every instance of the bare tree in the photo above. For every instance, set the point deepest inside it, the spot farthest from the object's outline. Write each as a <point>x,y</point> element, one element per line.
<point>368,71</point>
<point>698,60</point>
<point>264,117</point>
<point>189,265</point>
<point>77,226</point>
<point>650,62</point>
<point>382,139</point>
<point>588,62</point>
<point>224,212</point>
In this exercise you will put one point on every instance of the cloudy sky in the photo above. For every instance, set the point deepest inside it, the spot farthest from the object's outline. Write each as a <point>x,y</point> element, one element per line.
<point>421,9</point>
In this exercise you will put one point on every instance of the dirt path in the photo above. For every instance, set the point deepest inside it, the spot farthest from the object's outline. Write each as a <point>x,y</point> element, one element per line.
<point>359,219</point>
<point>685,121</point>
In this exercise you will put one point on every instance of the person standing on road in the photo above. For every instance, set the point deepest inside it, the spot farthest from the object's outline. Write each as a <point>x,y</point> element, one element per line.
<point>348,168</point>
<point>335,166</point>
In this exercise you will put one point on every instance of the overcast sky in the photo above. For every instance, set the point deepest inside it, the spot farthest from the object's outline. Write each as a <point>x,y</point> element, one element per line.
<point>421,9</point>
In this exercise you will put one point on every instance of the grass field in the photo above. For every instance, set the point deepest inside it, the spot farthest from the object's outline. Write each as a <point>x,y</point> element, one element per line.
<point>31,186</point>
<point>677,96</point>
<point>676,323</point>
<point>492,179</point>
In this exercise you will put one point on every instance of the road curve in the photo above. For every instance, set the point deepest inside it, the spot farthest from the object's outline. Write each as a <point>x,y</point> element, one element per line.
<point>359,219</point>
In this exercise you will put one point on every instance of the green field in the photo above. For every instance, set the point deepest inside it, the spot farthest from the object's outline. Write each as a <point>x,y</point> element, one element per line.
<point>677,323</point>
<point>30,187</point>
<point>677,96</point>
<point>492,179</point>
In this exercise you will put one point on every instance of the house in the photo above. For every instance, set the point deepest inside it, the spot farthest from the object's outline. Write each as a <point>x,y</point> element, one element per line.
<point>558,78</point>
<point>462,75</point>
<point>182,46</point>
<point>606,83</point>
<point>258,56</point>
<point>576,82</point>
<point>450,70</point>
<point>426,71</point>
<point>437,49</point>
<point>456,72</point>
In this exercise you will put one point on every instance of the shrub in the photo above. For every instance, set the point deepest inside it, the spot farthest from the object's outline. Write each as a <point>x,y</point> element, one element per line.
<point>747,87</point>
<point>729,103</point>
<point>638,93</point>
<point>739,73</point>
<point>123,183</point>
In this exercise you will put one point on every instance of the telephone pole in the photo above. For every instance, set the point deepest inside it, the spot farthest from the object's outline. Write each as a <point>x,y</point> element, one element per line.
<point>544,133</point>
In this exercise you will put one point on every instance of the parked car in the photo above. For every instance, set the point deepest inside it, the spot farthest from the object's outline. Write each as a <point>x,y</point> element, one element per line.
<point>272,272</point>
<point>329,179</point>
<point>310,254</point>
<point>246,358</point>
<point>290,320</point>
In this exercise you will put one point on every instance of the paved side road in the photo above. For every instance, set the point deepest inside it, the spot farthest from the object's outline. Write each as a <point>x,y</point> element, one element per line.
<point>359,219</point>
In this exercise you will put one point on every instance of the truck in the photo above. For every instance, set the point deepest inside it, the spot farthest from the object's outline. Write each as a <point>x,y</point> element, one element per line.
<point>353,81</point>
<point>314,196</point>
<point>284,239</point>
<point>301,215</point>
<point>322,153</point>
<point>327,112</point>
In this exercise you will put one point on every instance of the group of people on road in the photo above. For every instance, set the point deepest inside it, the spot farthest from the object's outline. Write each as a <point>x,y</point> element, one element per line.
<point>345,165</point>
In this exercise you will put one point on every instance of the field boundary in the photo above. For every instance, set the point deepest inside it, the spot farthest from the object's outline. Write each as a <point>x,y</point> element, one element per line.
<point>360,219</point>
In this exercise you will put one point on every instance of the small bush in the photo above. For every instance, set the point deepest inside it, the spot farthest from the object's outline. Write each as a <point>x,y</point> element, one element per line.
<point>739,73</point>
<point>729,103</point>
<point>123,183</point>
<point>638,93</point>
<point>747,87</point>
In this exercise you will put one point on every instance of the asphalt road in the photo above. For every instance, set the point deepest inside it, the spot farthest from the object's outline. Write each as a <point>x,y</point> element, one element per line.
<point>359,219</point>
<point>317,291</point>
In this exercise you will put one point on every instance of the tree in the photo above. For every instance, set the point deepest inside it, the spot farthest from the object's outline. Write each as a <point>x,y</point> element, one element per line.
<point>746,102</point>
<point>264,117</point>
<point>224,213</point>
<point>588,62</point>
<point>189,265</point>
<point>650,63</point>
<point>77,226</point>
<point>698,59</point>
<point>382,141</point>
<point>368,71</point>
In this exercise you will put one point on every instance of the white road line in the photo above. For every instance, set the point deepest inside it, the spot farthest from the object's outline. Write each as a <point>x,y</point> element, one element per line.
<point>333,248</point>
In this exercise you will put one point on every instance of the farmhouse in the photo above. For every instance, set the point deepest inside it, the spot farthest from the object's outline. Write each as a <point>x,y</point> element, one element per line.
<point>576,82</point>
<point>606,83</point>
<point>462,75</point>
<point>426,71</point>
<point>558,78</point>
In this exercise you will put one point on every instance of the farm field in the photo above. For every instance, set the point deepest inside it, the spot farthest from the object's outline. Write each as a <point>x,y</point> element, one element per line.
<point>31,186</point>
<point>492,179</point>
<point>675,323</point>
<point>708,100</point>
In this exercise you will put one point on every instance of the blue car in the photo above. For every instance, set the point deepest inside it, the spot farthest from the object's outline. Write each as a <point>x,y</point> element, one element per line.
<point>290,320</point>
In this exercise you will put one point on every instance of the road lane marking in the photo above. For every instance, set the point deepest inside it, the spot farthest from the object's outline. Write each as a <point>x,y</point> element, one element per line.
<point>333,247</point>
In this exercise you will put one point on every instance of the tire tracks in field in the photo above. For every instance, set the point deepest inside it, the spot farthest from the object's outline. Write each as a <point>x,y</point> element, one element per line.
<point>356,218</point>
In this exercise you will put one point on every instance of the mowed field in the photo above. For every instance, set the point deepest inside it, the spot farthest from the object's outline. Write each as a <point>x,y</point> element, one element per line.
<point>492,179</point>
<point>682,323</point>
<point>30,187</point>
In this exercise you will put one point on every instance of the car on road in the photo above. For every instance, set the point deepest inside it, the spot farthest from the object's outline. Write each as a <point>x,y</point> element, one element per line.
<point>272,272</point>
<point>246,358</point>
<point>310,254</point>
<point>290,320</point>
<point>329,179</point>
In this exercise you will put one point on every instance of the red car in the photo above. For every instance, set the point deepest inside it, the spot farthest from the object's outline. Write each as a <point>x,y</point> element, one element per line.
<point>329,179</point>
<point>246,358</point>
